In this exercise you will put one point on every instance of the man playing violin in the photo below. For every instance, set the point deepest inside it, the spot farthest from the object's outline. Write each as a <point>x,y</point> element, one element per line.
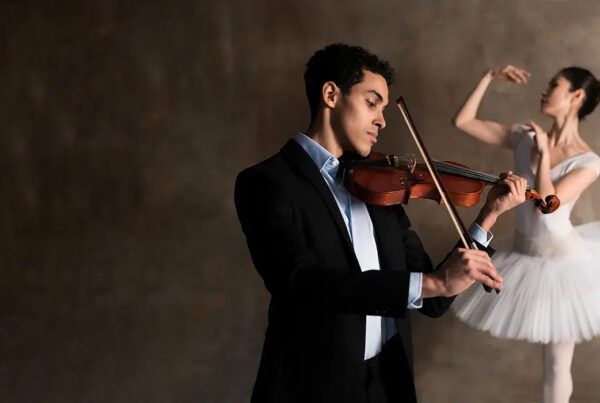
<point>342,275</point>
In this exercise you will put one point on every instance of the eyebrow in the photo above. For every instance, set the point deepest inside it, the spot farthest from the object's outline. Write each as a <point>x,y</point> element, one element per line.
<point>378,95</point>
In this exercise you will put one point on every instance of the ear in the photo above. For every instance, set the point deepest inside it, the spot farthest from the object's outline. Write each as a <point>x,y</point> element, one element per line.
<point>578,96</point>
<point>330,94</point>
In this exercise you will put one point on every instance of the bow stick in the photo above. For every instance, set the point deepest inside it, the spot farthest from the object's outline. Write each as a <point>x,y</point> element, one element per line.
<point>465,238</point>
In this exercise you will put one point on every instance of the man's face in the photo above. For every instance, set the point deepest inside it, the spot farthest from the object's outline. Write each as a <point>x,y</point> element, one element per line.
<point>359,117</point>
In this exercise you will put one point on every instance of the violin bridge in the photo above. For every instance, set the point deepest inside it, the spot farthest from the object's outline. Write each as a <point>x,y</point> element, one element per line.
<point>395,161</point>
<point>412,163</point>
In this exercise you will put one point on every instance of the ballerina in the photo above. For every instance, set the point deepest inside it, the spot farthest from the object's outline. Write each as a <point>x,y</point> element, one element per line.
<point>550,267</point>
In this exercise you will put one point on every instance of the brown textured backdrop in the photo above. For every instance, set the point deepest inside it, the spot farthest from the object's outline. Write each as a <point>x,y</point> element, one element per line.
<point>124,273</point>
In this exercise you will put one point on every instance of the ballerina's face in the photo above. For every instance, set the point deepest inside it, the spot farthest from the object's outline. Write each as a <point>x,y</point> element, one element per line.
<point>558,99</point>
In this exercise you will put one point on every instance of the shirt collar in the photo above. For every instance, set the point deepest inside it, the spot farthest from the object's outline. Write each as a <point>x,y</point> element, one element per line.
<point>322,158</point>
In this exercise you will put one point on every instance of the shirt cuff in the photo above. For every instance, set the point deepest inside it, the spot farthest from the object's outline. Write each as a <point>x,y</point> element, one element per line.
<point>416,279</point>
<point>479,235</point>
<point>414,291</point>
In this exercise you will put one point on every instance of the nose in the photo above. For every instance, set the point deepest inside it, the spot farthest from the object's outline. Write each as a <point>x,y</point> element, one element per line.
<point>380,121</point>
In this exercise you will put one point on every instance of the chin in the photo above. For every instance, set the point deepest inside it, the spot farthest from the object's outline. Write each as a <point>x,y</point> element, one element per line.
<point>360,150</point>
<point>364,152</point>
<point>546,110</point>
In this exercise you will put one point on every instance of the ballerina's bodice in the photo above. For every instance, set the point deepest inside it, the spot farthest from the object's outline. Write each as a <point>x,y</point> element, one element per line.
<point>545,234</point>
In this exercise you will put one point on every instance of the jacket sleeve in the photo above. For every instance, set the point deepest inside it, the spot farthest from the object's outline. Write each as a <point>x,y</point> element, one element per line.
<point>290,269</point>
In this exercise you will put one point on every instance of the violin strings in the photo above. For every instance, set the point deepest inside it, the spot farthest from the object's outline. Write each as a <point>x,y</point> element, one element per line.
<point>453,169</point>
<point>460,171</point>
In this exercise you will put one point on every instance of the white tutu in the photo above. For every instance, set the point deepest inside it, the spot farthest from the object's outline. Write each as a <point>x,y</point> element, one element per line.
<point>544,299</point>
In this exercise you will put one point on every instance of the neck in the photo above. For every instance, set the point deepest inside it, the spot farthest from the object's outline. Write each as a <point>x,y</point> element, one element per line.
<point>322,132</point>
<point>565,130</point>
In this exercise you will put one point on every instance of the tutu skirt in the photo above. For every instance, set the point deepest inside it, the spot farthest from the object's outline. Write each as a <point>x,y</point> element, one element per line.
<point>551,292</point>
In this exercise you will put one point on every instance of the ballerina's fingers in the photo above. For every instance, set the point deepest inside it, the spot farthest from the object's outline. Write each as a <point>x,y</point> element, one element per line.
<point>516,75</point>
<point>523,75</point>
<point>540,138</point>
<point>513,77</point>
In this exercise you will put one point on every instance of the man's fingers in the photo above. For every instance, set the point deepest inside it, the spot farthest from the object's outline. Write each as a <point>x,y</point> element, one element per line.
<point>475,254</point>
<point>521,185</point>
<point>487,270</point>
<point>516,184</point>
<point>485,278</point>
<point>512,186</point>
<point>478,261</point>
<point>469,265</point>
<point>519,191</point>
<point>475,260</point>
<point>488,281</point>
<point>509,183</point>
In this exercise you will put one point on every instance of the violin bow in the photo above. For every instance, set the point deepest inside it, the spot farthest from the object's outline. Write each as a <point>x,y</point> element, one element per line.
<point>458,224</point>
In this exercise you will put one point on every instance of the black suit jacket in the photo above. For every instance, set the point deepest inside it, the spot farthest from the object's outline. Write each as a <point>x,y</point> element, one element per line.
<point>315,340</point>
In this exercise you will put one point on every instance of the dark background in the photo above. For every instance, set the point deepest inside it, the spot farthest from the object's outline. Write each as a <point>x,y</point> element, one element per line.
<point>124,274</point>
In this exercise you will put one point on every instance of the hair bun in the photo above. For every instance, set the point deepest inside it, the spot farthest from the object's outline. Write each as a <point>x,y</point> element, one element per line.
<point>581,78</point>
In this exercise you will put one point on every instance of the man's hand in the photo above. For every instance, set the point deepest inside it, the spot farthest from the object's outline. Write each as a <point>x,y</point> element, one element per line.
<point>462,268</point>
<point>506,194</point>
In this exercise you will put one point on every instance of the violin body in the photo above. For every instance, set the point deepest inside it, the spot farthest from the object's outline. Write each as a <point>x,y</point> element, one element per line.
<point>389,185</point>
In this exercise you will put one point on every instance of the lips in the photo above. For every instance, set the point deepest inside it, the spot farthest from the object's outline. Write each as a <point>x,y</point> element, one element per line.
<point>373,136</point>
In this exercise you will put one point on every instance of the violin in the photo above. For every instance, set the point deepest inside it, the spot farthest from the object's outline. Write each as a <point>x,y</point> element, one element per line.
<point>386,179</point>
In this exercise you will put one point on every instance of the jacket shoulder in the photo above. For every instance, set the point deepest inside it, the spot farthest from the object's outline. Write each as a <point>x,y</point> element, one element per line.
<point>270,169</point>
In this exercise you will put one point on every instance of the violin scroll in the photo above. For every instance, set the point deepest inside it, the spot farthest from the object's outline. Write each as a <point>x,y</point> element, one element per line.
<point>547,206</point>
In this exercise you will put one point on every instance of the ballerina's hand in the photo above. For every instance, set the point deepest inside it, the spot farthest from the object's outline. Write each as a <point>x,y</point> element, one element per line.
<point>511,73</point>
<point>541,138</point>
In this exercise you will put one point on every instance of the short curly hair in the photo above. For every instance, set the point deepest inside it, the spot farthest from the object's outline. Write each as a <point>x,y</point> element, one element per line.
<point>343,65</point>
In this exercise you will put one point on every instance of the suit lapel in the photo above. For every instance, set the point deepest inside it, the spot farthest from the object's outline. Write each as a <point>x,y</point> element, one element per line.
<point>301,162</point>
